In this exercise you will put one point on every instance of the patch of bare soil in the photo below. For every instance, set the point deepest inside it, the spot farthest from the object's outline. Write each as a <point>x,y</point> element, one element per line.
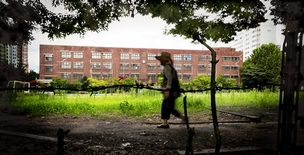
<point>120,136</point>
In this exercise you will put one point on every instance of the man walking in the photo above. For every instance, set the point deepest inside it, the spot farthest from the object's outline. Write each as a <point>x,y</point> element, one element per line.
<point>171,90</point>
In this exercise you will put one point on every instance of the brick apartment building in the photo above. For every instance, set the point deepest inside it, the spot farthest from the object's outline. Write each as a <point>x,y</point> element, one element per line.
<point>75,62</point>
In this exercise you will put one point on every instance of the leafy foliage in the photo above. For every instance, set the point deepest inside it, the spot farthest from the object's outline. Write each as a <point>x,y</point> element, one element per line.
<point>263,67</point>
<point>18,19</point>
<point>253,76</point>
<point>199,20</point>
<point>221,81</point>
<point>289,13</point>
<point>76,84</point>
<point>128,81</point>
<point>191,21</point>
<point>201,82</point>
<point>95,83</point>
<point>187,17</point>
<point>32,75</point>
<point>60,82</point>
<point>89,15</point>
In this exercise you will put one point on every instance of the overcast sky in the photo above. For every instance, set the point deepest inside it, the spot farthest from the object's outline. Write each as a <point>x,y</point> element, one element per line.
<point>138,32</point>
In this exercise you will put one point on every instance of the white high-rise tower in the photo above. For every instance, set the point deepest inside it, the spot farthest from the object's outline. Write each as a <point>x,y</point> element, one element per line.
<point>247,40</point>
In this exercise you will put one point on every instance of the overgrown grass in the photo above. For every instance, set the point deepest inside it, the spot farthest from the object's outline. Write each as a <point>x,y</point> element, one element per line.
<point>254,99</point>
<point>142,104</point>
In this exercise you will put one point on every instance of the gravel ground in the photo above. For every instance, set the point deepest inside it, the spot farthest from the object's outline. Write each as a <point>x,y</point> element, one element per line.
<point>120,136</point>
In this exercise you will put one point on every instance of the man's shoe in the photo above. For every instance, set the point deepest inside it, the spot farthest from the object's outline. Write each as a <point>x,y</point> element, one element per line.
<point>163,126</point>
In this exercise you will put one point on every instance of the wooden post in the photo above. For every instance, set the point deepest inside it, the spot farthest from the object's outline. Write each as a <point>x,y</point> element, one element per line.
<point>60,138</point>
<point>191,132</point>
<point>213,103</point>
<point>213,90</point>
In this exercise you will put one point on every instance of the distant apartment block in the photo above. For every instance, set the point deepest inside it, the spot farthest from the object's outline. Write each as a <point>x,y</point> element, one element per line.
<point>248,40</point>
<point>15,55</point>
<point>75,62</point>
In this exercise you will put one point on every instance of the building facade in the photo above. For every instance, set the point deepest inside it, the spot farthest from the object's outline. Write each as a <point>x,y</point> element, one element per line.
<point>248,40</point>
<point>75,62</point>
<point>15,55</point>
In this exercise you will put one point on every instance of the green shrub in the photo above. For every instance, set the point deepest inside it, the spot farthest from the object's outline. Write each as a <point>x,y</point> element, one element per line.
<point>126,108</point>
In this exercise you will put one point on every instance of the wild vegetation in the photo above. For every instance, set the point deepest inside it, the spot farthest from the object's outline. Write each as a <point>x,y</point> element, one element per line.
<point>95,97</point>
<point>143,103</point>
<point>200,82</point>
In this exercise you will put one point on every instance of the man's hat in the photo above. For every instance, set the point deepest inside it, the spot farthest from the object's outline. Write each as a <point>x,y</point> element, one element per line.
<point>165,56</point>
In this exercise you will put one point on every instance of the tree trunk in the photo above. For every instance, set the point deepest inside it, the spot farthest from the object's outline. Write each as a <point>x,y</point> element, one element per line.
<point>289,95</point>
<point>213,103</point>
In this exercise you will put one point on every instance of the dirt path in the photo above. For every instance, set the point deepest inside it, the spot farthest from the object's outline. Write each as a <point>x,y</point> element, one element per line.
<point>91,135</point>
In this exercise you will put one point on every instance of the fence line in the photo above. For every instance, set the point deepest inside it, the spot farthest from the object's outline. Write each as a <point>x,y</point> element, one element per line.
<point>137,86</point>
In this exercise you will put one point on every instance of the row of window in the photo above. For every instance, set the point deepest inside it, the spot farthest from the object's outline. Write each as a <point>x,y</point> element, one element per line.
<point>79,76</point>
<point>136,56</point>
<point>68,54</point>
<point>227,58</point>
<point>179,57</point>
<point>79,65</point>
<point>201,67</point>
<point>104,55</point>
<point>128,56</point>
<point>152,76</point>
<point>135,66</point>
<point>79,54</point>
<point>97,65</point>
<point>126,66</point>
<point>230,67</point>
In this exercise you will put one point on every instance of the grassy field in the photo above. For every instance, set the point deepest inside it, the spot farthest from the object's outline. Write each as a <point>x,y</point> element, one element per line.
<point>145,103</point>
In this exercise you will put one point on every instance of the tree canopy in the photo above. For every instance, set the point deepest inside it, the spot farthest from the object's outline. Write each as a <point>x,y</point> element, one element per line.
<point>199,20</point>
<point>263,67</point>
<point>191,18</point>
<point>19,18</point>
<point>206,20</point>
<point>289,13</point>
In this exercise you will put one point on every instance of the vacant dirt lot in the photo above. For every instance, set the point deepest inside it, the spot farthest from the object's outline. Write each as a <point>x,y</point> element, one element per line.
<point>116,136</point>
